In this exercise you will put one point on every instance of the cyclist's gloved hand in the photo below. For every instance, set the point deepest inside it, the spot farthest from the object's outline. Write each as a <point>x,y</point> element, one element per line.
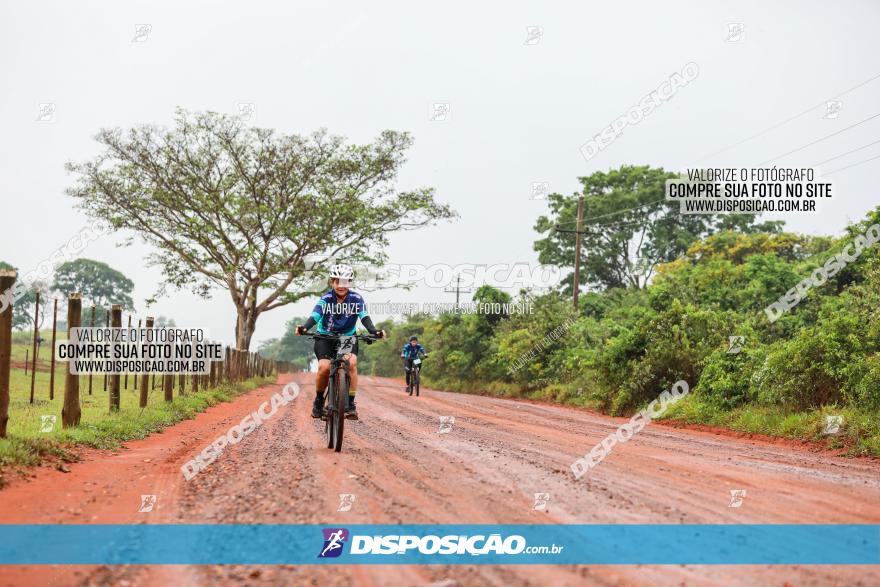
<point>379,333</point>
<point>300,330</point>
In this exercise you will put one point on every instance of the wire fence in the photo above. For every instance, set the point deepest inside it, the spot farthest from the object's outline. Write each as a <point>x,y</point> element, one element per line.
<point>236,364</point>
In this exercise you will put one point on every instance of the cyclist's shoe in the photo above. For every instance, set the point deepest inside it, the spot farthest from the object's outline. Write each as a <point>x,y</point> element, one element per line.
<point>318,407</point>
<point>351,412</point>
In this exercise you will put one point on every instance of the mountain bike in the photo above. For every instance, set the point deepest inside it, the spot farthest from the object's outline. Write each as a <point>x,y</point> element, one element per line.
<point>415,376</point>
<point>336,397</point>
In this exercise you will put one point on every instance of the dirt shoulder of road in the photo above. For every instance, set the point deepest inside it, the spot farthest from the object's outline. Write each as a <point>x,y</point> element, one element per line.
<point>836,445</point>
<point>20,455</point>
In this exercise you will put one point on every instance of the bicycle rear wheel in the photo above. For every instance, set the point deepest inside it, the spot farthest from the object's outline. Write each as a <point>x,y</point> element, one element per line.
<point>341,400</point>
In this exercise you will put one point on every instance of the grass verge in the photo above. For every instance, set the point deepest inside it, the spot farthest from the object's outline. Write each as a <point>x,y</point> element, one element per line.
<point>858,431</point>
<point>858,434</point>
<point>32,437</point>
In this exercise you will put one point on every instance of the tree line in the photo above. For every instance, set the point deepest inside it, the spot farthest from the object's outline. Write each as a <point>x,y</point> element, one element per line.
<point>668,298</point>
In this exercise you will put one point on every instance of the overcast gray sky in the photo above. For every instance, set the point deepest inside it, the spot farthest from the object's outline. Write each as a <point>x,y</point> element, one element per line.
<point>518,111</point>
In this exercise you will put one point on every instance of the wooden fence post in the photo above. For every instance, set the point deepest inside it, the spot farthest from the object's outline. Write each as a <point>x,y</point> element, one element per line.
<point>116,311</point>
<point>52,367</point>
<point>92,324</point>
<point>134,378</point>
<point>145,378</point>
<point>71,412</point>
<point>107,325</point>
<point>34,354</point>
<point>226,366</point>
<point>126,375</point>
<point>7,280</point>
<point>167,386</point>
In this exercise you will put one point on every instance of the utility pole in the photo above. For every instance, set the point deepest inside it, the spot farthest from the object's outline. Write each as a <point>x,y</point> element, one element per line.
<point>577,251</point>
<point>457,290</point>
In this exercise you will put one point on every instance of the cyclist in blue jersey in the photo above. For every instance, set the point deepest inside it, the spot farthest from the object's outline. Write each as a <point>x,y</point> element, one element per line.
<point>337,312</point>
<point>411,350</point>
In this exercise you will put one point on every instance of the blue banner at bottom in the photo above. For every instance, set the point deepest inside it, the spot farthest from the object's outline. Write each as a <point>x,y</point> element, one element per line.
<point>426,544</point>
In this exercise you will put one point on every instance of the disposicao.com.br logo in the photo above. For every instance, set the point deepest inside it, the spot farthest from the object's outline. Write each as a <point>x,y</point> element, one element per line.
<point>431,544</point>
<point>334,540</point>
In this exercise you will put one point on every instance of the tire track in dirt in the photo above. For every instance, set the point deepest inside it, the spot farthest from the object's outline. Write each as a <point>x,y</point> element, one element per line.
<point>486,470</point>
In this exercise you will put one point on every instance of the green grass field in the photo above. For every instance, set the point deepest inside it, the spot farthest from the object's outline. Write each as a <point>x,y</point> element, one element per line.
<point>28,444</point>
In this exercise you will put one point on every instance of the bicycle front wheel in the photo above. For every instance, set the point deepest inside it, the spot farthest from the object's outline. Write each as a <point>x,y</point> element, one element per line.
<point>341,400</point>
<point>329,420</point>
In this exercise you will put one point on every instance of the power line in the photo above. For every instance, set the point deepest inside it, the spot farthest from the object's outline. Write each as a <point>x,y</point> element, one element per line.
<point>763,132</point>
<point>624,225</point>
<point>754,136</point>
<point>853,165</point>
<point>613,213</point>
<point>819,140</point>
<point>844,154</point>
<point>787,120</point>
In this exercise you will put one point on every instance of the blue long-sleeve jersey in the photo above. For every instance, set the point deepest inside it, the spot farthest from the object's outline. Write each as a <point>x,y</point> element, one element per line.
<point>333,316</point>
<point>412,352</point>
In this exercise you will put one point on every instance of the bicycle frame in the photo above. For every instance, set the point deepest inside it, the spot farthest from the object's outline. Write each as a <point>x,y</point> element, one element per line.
<point>415,375</point>
<point>338,385</point>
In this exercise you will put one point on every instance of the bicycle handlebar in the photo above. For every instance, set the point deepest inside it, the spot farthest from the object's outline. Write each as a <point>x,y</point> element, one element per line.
<point>365,337</point>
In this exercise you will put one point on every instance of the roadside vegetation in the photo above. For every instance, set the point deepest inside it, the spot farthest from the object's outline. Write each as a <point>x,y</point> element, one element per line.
<point>32,439</point>
<point>634,336</point>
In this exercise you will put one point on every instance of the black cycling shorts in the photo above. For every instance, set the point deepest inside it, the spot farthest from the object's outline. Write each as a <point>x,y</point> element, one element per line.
<point>326,349</point>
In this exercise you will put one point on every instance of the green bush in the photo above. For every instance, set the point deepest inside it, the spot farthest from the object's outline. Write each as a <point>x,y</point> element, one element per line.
<point>627,345</point>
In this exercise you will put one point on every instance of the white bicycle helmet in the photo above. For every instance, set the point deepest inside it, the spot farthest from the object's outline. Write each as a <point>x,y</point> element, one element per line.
<point>341,271</point>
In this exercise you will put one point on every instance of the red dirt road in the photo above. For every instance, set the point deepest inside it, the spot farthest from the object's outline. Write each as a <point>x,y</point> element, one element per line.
<point>486,470</point>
